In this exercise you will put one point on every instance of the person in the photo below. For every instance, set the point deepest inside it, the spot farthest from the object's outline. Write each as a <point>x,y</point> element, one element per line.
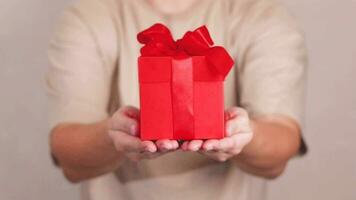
<point>93,94</point>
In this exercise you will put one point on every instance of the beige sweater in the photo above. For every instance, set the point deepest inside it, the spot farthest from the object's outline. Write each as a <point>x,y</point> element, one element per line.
<point>93,70</point>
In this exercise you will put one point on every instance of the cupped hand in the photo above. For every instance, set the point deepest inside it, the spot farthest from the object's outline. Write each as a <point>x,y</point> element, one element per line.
<point>238,133</point>
<point>123,129</point>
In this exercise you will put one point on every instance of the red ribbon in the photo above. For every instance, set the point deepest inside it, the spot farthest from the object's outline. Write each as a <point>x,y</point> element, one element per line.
<point>182,98</point>
<point>158,42</point>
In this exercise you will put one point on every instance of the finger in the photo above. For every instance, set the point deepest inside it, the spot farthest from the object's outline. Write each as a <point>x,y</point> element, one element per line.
<point>225,144</point>
<point>218,156</point>
<point>126,143</point>
<point>195,145</point>
<point>184,146</point>
<point>234,144</point>
<point>210,145</point>
<point>149,146</point>
<point>164,145</point>
<point>175,144</point>
<point>121,122</point>
<point>231,113</point>
<point>231,127</point>
<point>234,112</point>
<point>240,112</point>
<point>130,111</point>
<point>169,145</point>
<point>237,124</point>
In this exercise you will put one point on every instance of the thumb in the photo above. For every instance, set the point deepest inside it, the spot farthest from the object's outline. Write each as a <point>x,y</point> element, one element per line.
<point>126,119</point>
<point>231,113</point>
<point>130,111</point>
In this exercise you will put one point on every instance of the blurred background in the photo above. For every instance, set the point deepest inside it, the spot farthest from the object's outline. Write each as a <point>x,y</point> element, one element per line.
<point>328,171</point>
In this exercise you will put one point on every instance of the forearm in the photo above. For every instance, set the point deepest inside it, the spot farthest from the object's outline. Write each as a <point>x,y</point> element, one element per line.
<point>84,150</point>
<point>275,141</point>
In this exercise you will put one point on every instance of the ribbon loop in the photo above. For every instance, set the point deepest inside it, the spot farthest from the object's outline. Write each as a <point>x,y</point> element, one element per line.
<point>158,41</point>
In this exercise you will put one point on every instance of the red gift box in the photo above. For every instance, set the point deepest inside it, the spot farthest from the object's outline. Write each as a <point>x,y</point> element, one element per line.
<point>181,85</point>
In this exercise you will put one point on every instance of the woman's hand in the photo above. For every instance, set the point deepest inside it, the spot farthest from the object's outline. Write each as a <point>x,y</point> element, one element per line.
<point>123,129</point>
<point>238,133</point>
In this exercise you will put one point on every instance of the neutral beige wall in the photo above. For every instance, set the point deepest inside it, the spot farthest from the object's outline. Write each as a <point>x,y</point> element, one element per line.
<point>327,173</point>
<point>26,172</point>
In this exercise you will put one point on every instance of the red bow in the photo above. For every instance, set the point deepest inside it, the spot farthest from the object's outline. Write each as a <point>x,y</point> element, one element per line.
<point>158,41</point>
